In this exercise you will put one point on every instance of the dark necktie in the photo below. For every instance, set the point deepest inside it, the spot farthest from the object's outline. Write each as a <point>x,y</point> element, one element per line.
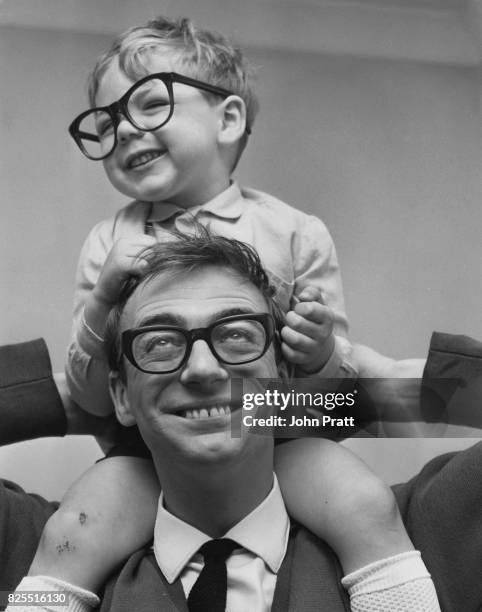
<point>209,591</point>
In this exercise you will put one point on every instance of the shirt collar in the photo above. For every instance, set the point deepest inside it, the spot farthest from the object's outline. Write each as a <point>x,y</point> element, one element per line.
<point>227,205</point>
<point>264,532</point>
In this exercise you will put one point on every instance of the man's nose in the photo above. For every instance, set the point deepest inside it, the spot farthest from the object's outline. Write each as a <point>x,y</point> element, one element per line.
<point>202,367</point>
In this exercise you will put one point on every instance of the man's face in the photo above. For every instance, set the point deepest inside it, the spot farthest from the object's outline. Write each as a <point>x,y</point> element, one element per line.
<point>158,402</point>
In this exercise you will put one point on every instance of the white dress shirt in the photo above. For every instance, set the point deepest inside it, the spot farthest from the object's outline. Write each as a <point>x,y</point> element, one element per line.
<point>252,569</point>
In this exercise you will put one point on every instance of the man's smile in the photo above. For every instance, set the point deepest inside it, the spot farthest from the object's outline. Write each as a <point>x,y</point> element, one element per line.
<point>204,410</point>
<point>205,413</point>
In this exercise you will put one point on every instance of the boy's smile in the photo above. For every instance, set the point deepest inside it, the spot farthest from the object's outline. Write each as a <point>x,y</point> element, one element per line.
<point>181,162</point>
<point>141,159</point>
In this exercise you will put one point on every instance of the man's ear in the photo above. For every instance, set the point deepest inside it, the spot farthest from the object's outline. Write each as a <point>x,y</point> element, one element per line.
<point>118,394</point>
<point>285,370</point>
<point>284,367</point>
<point>233,120</point>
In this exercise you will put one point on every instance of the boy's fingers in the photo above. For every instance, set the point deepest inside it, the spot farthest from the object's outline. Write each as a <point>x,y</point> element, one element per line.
<point>310,294</point>
<point>147,240</point>
<point>298,341</point>
<point>137,265</point>
<point>135,244</point>
<point>132,250</point>
<point>309,312</point>
<point>292,355</point>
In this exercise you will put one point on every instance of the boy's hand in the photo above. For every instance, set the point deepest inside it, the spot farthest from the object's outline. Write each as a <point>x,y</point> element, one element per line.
<point>122,262</point>
<point>307,337</point>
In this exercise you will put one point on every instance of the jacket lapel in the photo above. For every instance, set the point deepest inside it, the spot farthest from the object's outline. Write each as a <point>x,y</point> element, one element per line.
<point>310,577</point>
<point>140,586</point>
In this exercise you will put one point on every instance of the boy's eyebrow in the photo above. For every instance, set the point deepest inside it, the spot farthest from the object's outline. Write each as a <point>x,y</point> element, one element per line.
<point>168,318</point>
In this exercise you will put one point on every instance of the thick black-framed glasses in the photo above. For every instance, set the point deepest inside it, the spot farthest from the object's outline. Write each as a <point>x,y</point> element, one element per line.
<point>233,340</point>
<point>147,105</point>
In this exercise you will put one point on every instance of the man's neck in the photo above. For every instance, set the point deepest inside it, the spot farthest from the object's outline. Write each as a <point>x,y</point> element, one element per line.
<point>214,498</point>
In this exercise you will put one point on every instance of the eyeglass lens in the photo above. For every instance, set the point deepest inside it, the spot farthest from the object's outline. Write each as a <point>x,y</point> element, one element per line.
<point>148,108</point>
<point>234,342</point>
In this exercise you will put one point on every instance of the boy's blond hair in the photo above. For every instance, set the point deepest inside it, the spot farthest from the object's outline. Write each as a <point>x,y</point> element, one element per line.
<point>200,54</point>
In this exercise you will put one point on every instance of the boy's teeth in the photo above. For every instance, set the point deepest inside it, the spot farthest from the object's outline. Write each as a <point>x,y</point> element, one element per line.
<point>143,159</point>
<point>205,413</point>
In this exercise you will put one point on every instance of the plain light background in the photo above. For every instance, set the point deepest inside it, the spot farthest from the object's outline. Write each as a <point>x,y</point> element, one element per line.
<point>386,151</point>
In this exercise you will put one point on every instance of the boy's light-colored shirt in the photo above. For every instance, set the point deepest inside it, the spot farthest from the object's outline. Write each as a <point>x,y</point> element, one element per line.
<point>295,249</point>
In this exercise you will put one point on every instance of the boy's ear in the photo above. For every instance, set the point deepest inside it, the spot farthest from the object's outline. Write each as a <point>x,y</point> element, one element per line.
<point>233,120</point>
<point>118,394</point>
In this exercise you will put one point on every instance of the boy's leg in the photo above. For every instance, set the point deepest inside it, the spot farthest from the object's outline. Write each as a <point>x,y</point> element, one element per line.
<point>334,494</point>
<point>106,515</point>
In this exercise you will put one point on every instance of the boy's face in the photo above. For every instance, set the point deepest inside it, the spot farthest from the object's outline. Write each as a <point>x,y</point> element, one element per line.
<point>180,162</point>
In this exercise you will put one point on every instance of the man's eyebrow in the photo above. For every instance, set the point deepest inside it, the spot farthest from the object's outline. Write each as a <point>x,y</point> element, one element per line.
<point>162,319</point>
<point>168,318</point>
<point>229,312</point>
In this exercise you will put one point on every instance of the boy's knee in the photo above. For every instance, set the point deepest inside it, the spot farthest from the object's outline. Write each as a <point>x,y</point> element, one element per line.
<point>370,527</point>
<point>67,532</point>
<point>375,504</point>
<point>73,549</point>
<point>367,511</point>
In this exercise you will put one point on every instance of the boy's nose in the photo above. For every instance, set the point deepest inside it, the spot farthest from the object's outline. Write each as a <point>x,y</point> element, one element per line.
<point>125,129</point>
<point>202,367</point>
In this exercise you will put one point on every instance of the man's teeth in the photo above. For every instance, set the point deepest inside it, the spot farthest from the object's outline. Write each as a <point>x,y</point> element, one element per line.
<point>144,158</point>
<point>205,413</point>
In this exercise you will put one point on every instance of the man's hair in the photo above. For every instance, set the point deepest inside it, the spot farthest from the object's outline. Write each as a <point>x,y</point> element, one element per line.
<point>200,54</point>
<point>185,253</point>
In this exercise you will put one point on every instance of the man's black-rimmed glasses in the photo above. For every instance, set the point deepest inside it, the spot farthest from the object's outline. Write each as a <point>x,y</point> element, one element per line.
<point>234,340</point>
<point>147,105</point>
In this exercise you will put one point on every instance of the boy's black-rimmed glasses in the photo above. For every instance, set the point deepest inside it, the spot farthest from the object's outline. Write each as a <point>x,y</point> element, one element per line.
<point>234,340</point>
<point>147,105</point>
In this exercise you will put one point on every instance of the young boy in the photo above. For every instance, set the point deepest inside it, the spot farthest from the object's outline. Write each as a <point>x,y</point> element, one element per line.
<point>172,107</point>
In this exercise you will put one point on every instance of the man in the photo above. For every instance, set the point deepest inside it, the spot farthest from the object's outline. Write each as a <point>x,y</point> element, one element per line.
<point>309,575</point>
<point>223,477</point>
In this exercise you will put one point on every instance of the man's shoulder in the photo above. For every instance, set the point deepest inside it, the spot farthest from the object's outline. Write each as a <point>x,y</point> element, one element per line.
<point>29,506</point>
<point>441,510</point>
<point>22,519</point>
<point>452,481</point>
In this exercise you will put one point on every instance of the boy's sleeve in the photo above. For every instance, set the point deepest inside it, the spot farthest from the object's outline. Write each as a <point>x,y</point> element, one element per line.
<point>86,366</point>
<point>316,264</point>
<point>30,406</point>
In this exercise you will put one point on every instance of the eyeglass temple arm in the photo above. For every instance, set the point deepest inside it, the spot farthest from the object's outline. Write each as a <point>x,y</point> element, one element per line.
<point>220,91</point>
<point>88,136</point>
